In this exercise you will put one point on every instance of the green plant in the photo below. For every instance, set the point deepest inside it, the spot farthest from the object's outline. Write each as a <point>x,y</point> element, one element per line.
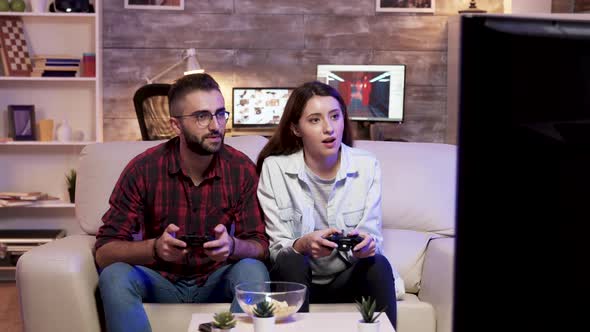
<point>367,309</point>
<point>71,182</point>
<point>264,309</point>
<point>224,320</point>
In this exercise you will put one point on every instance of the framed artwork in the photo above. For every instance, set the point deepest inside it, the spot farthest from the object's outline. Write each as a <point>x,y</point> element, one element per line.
<point>21,122</point>
<point>155,4</point>
<point>405,6</point>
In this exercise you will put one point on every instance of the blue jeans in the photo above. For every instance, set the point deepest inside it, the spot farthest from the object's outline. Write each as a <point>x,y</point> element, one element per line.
<point>124,288</point>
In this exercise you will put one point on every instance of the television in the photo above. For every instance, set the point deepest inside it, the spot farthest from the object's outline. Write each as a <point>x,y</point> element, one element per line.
<point>371,92</point>
<point>258,107</point>
<point>523,181</point>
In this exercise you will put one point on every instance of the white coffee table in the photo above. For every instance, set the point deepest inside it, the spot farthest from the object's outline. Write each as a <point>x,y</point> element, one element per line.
<point>300,322</point>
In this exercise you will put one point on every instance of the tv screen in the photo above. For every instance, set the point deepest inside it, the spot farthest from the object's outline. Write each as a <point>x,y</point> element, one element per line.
<point>371,92</point>
<point>523,172</point>
<point>258,107</point>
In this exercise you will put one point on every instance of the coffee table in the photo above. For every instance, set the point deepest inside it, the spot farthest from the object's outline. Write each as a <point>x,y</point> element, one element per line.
<point>309,321</point>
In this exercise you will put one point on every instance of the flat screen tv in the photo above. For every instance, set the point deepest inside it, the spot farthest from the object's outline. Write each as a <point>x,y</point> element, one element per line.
<point>258,107</point>
<point>523,200</point>
<point>371,92</point>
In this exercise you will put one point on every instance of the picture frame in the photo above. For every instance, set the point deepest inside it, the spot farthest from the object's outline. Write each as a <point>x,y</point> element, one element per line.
<point>21,121</point>
<point>155,4</point>
<point>405,6</point>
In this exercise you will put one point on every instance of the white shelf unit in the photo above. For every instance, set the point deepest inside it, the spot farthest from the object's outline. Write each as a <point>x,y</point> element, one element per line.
<point>27,166</point>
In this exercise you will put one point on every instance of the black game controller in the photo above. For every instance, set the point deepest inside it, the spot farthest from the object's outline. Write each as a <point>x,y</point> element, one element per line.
<point>194,240</point>
<point>345,243</point>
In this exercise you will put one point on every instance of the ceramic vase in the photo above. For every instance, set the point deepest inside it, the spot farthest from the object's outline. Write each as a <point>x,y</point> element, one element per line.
<point>64,132</point>
<point>214,329</point>
<point>38,6</point>
<point>368,327</point>
<point>264,324</point>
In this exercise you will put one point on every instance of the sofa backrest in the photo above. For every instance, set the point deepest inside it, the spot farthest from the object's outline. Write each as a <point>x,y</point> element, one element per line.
<point>101,164</point>
<point>418,185</point>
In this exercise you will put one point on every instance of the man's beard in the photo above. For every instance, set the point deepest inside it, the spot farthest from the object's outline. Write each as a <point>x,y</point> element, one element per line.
<point>198,146</point>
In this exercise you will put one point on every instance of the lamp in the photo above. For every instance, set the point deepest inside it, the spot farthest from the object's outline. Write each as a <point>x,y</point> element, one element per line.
<point>472,9</point>
<point>192,65</point>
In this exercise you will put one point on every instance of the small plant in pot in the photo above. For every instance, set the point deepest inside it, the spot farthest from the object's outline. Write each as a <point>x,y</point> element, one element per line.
<point>71,182</point>
<point>367,308</point>
<point>263,316</point>
<point>223,321</point>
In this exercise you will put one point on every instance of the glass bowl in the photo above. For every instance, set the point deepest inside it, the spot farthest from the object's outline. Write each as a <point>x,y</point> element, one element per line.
<point>286,296</point>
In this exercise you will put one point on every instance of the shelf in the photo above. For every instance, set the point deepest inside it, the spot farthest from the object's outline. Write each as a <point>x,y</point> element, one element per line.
<point>59,79</point>
<point>7,268</point>
<point>42,205</point>
<point>60,15</point>
<point>48,143</point>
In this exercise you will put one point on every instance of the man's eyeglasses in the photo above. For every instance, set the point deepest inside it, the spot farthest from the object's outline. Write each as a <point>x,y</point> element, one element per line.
<point>203,118</point>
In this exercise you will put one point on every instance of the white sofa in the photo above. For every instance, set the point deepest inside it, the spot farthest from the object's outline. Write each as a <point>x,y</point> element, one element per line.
<point>57,282</point>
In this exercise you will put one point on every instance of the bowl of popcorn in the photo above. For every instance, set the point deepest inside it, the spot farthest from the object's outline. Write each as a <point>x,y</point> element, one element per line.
<point>286,297</point>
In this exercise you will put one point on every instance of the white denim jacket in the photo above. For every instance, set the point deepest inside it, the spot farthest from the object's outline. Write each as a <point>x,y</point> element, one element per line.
<point>283,192</point>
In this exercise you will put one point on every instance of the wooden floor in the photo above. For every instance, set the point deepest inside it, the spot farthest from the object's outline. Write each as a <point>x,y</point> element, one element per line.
<point>10,318</point>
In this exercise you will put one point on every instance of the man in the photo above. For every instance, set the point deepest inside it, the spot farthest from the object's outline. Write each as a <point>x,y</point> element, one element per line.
<point>192,184</point>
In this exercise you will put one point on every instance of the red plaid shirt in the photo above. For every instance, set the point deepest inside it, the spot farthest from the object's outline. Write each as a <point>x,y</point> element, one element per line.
<point>153,192</point>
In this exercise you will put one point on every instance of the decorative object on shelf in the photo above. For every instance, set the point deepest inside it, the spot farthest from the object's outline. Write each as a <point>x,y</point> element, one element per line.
<point>64,132</point>
<point>263,316</point>
<point>21,119</point>
<point>472,8</point>
<point>367,308</point>
<point>71,182</point>
<point>155,4</point>
<point>88,65</point>
<point>13,47</point>
<point>223,322</point>
<point>45,130</point>
<point>192,65</point>
<point>71,6</point>
<point>409,6</point>
<point>4,6</point>
<point>38,6</point>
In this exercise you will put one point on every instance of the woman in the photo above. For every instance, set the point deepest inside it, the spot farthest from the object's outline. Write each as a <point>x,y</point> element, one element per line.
<point>314,184</point>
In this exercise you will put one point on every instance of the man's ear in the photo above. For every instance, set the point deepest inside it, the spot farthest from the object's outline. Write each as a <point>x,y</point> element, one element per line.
<point>295,130</point>
<point>175,125</point>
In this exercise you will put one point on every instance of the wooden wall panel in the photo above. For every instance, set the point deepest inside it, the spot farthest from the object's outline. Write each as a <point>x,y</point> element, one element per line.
<point>278,43</point>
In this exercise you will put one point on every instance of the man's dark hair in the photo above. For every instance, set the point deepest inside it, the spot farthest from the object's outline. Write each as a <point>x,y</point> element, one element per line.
<point>187,84</point>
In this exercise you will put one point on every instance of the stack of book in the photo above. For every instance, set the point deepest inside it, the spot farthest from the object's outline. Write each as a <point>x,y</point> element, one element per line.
<point>22,198</point>
<point>55,66</point>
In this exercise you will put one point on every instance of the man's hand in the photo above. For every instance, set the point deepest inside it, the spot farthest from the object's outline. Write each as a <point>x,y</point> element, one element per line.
<point>167,247</point>
<point>315,244</point>
<point>219,249</point>
<point>366,248</point>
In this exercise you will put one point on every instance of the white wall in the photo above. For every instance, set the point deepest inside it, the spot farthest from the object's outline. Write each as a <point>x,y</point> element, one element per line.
<point>527,6</point>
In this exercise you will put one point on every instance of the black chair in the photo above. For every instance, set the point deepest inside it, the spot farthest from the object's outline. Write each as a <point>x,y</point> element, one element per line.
<point>151,107</point>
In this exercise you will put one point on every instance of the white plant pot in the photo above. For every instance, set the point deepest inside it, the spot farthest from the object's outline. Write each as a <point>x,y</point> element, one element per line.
<point>264,324</point>
<point>214,329</point>
<point>368,327</point>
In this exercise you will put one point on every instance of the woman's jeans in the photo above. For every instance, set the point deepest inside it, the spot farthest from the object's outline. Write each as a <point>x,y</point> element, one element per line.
<point>124,288</point>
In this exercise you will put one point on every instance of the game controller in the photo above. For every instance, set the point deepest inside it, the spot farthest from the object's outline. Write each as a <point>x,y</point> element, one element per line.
<point>345,243</point>
<point>194,240</point>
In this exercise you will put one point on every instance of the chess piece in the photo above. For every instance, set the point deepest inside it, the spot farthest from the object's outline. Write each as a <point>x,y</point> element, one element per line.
<point>64,132</point>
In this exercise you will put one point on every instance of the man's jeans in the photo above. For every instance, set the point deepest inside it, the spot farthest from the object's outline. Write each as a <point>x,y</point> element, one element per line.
<point>125,287</point>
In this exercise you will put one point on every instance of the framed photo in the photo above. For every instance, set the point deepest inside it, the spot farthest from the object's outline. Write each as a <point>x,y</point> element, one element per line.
<point>155,4</point>
<point>21,121</point>
<point>405,6</point>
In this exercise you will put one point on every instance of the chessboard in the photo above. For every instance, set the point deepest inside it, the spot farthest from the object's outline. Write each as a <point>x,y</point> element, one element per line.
<point>14,52</point>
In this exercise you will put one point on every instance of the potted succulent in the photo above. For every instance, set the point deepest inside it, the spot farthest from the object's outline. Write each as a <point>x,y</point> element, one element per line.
<point>263,316</point>
<point>71,182</point>
<point>223,322</point>
<point>367,307</point>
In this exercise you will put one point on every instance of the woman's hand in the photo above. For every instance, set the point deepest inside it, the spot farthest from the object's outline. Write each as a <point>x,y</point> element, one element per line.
<point>366,248</point>
<point>314,244</point>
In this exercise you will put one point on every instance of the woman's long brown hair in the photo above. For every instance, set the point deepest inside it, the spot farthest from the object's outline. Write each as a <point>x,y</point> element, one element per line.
<point>284,141</point>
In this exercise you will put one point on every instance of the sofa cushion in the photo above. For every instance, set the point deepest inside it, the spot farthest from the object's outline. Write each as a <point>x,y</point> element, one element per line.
<point>100,166</point>
<point>418,185</point>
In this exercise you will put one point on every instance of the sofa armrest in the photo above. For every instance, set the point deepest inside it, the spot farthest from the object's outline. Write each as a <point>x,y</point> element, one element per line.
<point>436,286</point>
<point>57,283</point>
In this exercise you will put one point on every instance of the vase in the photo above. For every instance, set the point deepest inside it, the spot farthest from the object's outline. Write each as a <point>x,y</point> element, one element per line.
<point>72,194</point>
<point>264,324</point>
<point>368,327</point>
<point>38,6</point>
<point>64,132</point>
<point>214,329</point>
